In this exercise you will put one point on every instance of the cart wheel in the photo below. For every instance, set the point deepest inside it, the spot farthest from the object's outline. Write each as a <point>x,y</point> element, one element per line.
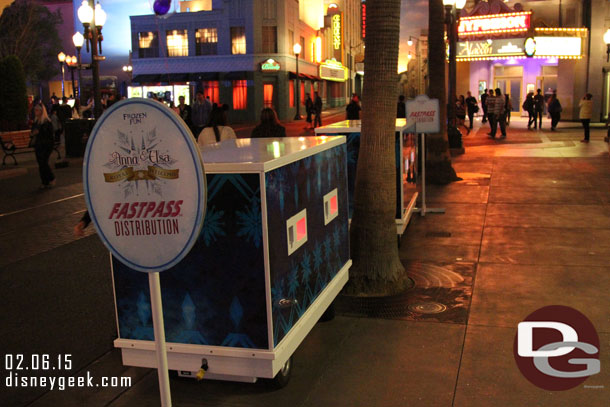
<point>329,314</point>
<point>282,377</point>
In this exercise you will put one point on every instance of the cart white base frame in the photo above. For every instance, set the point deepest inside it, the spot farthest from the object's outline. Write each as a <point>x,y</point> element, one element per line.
<point>401,224</point>
<point>235,364</point>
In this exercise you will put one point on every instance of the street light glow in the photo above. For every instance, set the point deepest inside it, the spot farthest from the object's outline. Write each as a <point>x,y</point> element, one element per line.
<point>78,39</point>
<point>61,57</point>
<point>447,3</point>
<point>297,48</point>
<point>85,13</point>
<point>459,4</point>
<point>100,15</point>
<point>607,37</point>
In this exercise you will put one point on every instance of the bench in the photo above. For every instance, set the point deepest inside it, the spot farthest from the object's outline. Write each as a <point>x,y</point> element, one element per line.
<point>17,142</point>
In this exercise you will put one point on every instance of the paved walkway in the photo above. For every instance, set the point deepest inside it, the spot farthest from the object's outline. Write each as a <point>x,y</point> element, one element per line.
<point>528,226</point>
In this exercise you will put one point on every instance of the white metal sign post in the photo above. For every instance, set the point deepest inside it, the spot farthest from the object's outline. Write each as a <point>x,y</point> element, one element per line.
<point>425,113</point>
<point>146,195</point>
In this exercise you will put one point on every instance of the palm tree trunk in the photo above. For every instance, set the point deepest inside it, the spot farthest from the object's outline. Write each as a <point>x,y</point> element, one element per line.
<point>439,169</point>
<point>377,269</point>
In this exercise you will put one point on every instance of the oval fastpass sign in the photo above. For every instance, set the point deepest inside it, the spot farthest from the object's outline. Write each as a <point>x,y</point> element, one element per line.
<point>144,184</point>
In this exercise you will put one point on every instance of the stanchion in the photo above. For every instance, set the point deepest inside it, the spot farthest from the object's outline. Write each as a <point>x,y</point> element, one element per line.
<point>159,329</point>
<point>424,209</point>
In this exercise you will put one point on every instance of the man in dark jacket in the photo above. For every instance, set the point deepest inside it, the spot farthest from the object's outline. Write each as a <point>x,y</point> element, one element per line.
<point>353,109</point>
<point>317,106</point>
<point>484,105</point>
<point>471,105</point>
<point>538,108</point>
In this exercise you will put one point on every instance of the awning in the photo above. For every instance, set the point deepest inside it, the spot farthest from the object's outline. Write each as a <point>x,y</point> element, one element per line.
<point>146,78</point>
<point>293,75</point>
<point>235,75</point>
<point>203,76</point>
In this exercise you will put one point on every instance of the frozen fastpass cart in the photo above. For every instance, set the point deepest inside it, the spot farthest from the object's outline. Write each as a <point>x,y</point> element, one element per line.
<point>406,164</point>
<point>271,257</point>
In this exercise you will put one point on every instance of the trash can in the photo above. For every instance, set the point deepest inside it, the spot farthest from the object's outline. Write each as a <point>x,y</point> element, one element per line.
<point>77,134</point>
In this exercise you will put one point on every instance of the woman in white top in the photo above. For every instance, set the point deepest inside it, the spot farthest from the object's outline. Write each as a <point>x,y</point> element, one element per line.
<point>217,129</point>
<point>585,114</point>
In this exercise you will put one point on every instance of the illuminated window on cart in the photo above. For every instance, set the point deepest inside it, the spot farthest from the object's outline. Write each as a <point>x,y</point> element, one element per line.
<point>296,231</point>
<point>331,206</point>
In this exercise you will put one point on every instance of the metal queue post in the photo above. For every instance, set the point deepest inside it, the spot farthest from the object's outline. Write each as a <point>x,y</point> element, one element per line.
<point>425,113</point>
<point>145,190</point>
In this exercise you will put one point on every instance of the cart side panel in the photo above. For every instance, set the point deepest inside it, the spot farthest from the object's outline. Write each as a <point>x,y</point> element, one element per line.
<point>302,275</point>
<point>216,294</point>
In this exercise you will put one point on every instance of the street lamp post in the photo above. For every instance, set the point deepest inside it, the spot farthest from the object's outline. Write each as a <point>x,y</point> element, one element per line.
<point>93,20</point>
<point>78,41</point>
<point>451,20</point>
<point>71,61</point>
<point>62,57</point>
<point>297,51</point>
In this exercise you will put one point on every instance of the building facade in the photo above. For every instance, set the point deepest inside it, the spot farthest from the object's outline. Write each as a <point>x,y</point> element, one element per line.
<point>522,46</point>
<point>240,53</point>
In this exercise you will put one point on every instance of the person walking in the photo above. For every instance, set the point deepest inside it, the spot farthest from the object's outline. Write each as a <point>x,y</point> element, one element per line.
<point>490,102</point>
<point>269,126</point>
<point>200,113</point>
<point>508,108</point>
<point>585,114</point>
<point>484,97</point>
<point>401,108</point>
<point>309,109</point>
<point>353,109</point>
<point>42,132</point>
<point>498,112</point>
<point>555,111</point>
<point>317,108</point>
<point>472,107</point>
<point>184,111</point>
<point>528,106</point>
<point>460,113</point>
<point>217,129</point>
<point>538,108</point>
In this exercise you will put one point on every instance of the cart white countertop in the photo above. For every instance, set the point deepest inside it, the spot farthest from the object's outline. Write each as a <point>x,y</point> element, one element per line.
<point>354,126</point>
<point>263,154</point>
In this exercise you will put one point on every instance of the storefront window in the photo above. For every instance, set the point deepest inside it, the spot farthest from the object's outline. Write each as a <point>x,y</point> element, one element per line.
<point>238,40</point>
<point>177,43</point>
<point>302,95</point>
<point>268,95</point>
<point>210,88</point>
<point>148,45</point>
<point>206,41</point>
<point>291,93</point>
<point>240,95</point>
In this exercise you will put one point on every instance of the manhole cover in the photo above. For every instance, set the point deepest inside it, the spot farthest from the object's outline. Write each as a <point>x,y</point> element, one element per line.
<point>427,307</point>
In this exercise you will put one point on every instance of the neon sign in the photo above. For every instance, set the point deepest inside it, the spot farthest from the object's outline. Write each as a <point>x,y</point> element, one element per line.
<point>498,23</point>
<point>270,65</point>
<point>332,70</point>
<point>363,16</point>
<point>337,31</point>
